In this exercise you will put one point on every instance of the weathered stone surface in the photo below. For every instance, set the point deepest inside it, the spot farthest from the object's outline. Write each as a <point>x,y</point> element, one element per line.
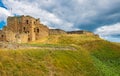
<point>80,32</point>
<point>22,29</point>
<point>7,36</point>
<point>56,32</point>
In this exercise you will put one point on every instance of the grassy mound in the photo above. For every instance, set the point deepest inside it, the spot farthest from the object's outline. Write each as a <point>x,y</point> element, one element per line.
<point>92,57</point>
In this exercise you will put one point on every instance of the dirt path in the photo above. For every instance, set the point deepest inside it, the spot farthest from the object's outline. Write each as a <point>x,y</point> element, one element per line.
<point>14,46</point>
<point>48,48</point>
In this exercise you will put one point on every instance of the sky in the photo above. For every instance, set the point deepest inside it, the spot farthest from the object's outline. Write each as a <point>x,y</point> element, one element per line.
<point>99,16</point>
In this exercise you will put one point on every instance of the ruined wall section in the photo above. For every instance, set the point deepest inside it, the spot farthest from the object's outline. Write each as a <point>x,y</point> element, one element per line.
<point>2,36</point>
<point>7,36</point>
<point>33,28</point>
<point>41,31</point>
<point>25,28</point>
<point>21,38</point>
<point>28,27</point>
<point>81,32</point>
<point>56,32</point>
<point>12,23</point>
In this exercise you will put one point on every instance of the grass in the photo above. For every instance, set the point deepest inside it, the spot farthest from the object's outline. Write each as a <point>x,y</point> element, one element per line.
<point>93,57</point>
<point>45,62</point>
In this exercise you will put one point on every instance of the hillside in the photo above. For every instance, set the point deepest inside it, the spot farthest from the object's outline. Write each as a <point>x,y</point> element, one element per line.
<point>62,55</point>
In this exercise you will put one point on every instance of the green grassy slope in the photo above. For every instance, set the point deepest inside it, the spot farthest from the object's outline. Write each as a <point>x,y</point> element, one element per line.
<point>92,57</point>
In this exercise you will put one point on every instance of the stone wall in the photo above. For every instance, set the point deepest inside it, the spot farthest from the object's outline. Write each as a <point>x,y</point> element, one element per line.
<point>75,32</point>
<point>7,36</point>
<point>22,29</point>
<point>27,25</point>
<point>80,32</point>
<point>21,38</point>
<point>56,32</point>
<point>41,31</point>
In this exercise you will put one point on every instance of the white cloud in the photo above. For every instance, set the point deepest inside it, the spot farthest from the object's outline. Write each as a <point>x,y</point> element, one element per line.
<point>113,39</point>
<point>69,14</point>
<point>34,9</point>
<point>109,30</point>
<point>63,14</point>
<point>3,14</point>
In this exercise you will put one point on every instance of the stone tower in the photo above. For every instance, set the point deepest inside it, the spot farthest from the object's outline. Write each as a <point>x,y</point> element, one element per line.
<point>26,25</point>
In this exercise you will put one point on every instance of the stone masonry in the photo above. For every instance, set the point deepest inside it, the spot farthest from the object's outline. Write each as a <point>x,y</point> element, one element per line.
<point>23,29</point>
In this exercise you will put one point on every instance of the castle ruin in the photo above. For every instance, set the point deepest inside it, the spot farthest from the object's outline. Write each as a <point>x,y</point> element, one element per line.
<point>23,29</point>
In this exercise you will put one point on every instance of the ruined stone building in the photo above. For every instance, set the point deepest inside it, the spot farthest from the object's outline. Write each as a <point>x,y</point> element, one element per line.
<point>23,29</point>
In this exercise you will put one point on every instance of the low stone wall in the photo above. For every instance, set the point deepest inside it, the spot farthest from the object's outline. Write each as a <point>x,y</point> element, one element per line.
<point>80,32</point>
<point>7,36</point>
<point>21,38</point>
<point>56,32</point>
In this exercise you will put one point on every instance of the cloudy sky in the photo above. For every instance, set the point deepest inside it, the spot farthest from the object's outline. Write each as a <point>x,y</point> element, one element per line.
<point>99,16</point>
